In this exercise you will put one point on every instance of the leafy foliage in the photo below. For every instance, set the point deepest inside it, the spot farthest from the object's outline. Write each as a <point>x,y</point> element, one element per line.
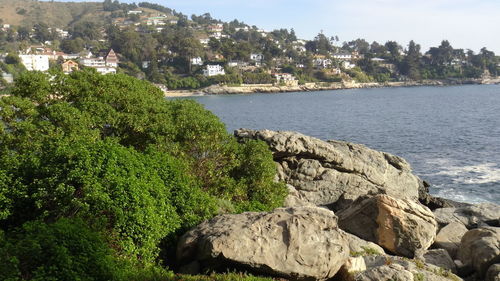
<point>111,151</point>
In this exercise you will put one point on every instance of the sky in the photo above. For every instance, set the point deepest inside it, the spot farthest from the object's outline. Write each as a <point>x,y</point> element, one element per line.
<point>467,24</point>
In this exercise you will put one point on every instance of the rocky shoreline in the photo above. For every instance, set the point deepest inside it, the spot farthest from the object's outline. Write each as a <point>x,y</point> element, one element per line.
<point>309,87</point>
<point>352,213</point>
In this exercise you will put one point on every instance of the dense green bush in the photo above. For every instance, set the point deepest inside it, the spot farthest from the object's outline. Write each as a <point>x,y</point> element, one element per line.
<point>112,151</point>
<point>65,250</point>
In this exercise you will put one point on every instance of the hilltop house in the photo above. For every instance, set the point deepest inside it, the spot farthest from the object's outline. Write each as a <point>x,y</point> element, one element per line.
<point>69,66</point>
<point>213,69</point>
<point>344,55</point>
<point>257,58</point>
<point>216,28</point>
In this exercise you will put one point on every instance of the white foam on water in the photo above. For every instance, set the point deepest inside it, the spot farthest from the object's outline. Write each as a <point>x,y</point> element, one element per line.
<point>472,174</point>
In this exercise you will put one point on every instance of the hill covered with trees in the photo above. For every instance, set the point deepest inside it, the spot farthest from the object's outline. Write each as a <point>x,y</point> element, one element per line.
<point>167,47</point>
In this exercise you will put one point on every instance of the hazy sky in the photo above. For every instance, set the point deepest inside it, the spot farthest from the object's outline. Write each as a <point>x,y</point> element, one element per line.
<point>466,24</point>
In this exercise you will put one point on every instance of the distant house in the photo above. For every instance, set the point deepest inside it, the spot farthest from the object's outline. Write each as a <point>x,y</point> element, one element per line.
<point>286,78</point>
<point>216,35</point>
<point>343,55</point>
<point>35,62</point>
<point>213,69</point>
<point>348,65</point>
<point>237,64</point>
<point>9,78</point>
<point>196,61</point>
<point>246,28</point>
<point>215,28</point>
<point>134,12</point>
<point>103,65</point>
<point>111,59</point>
<point>204,41</point>
<point>160,20</point>
<point>69,66</point>
<point>257,58</point>
<point>321,61</point>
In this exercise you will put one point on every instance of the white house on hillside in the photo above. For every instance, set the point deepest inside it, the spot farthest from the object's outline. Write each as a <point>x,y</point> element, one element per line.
<point>343,56</point>
<point>213,69</point>
<point>35,62</point>
<point>196,61</point>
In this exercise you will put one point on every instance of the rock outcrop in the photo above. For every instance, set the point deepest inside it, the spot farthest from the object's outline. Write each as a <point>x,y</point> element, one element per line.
<point>301,243</point>
<point>401,226</point>
<point>480,248</point>
<point>336,173</point>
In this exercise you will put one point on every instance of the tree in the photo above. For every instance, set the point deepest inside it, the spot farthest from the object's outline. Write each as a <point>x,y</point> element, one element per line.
<point>42,32</point>
<point>72,46</point>
<point>23,33</point>
<point>411,62</point>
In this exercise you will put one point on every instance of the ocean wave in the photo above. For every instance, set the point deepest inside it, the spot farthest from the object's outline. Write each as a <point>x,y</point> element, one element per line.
<point>469,174</point>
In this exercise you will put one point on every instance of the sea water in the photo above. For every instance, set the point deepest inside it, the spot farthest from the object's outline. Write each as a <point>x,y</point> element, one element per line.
<point>450,135</point>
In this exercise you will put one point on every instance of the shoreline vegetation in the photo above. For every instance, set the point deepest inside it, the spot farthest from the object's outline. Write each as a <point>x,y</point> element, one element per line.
<point>320,86</point>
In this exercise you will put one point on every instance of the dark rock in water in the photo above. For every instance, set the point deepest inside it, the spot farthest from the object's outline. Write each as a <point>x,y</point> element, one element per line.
<point>301,243</point>
<point>336,173</point>
<point>480,248</point>
<point>401,226</point>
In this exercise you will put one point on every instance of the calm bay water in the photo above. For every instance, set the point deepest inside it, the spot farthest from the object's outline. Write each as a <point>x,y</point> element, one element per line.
<point>450,135</point>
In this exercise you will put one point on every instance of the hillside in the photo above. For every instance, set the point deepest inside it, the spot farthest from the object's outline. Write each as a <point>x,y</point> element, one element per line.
<point>56,14</point>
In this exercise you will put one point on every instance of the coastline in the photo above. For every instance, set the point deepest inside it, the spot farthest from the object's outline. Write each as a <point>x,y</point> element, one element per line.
<point>321,86</point>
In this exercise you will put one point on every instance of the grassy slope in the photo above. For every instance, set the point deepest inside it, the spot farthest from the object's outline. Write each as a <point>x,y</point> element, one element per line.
<point>58,14</point>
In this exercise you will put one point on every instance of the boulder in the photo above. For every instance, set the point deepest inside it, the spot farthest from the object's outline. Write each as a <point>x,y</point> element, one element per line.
<point>493,273</point>
<point>302,243</point>
<point>480,248</point>
<point>336,173</point>
<point>472,216</point>
<point>440,258</point>
<point>449,238</point>
<point>401,226</point>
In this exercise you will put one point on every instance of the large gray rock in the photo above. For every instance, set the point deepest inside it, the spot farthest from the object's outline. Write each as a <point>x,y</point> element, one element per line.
<point>401,226</point>
<point>480,248</point>
<point>301,243</point>
<point>449,238</point>
<point>471,216</point>
<point>336,173</point>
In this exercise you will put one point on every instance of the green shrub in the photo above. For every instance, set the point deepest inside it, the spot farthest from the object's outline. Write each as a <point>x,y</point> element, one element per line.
<point>65,250</point>
<point>109,149</point>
